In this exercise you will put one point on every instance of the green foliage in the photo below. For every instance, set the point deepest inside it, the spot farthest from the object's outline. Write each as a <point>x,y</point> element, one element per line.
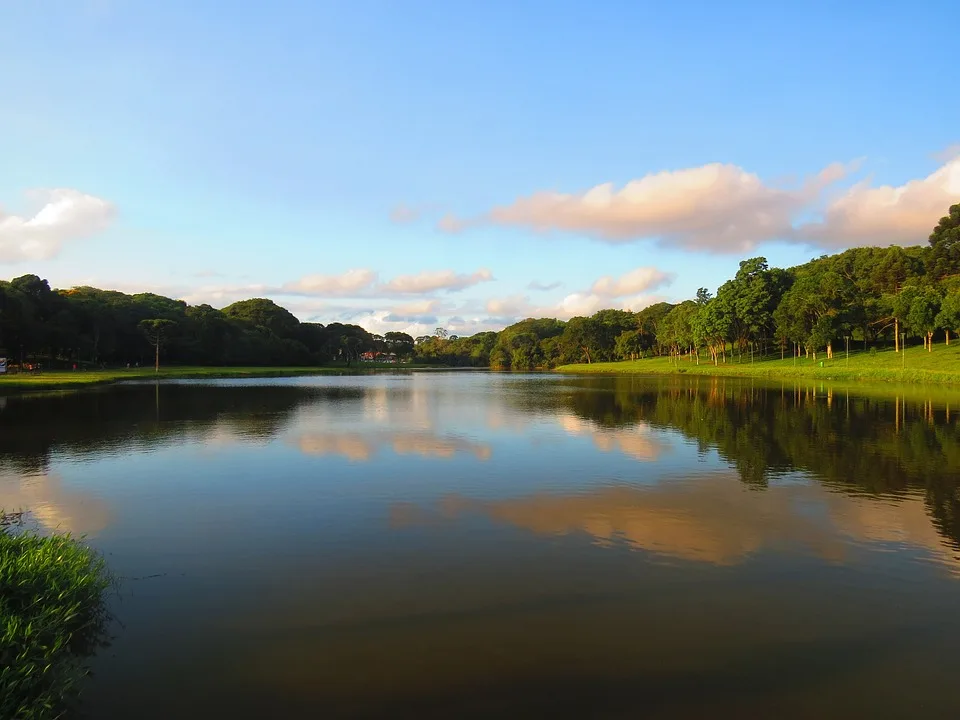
<point>945,245</point>
<point>265,314</point>
<point>924,310</point>
<point>52,615</point>
<point>949,316</point>
<point>93,328</point>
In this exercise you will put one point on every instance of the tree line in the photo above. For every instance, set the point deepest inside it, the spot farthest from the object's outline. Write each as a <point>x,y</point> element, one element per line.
<point>87,326</point>
<point>865,295</point>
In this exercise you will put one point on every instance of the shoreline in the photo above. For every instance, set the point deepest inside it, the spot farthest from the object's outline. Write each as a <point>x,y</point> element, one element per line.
<point>78,379</point>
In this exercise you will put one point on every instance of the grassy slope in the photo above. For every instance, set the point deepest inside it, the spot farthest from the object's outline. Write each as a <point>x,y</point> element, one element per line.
<point>83,378</point>
<point>916,366</point>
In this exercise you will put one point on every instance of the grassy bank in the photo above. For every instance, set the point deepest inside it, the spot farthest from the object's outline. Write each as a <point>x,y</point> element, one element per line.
<point>52,616</point>
<point>916,365</point>
<point>66,379</point>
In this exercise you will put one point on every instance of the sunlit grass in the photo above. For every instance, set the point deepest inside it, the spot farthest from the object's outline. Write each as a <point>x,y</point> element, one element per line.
<point>916,365</point>
<point>52,616</point>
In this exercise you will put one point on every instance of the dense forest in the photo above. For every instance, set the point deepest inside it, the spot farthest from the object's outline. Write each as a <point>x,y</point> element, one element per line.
<point>866,295</point>
<point>95,327</point>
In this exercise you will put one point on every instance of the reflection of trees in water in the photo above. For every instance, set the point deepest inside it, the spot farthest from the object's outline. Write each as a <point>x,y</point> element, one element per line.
<point>138,417</point>
<point>855,443</point>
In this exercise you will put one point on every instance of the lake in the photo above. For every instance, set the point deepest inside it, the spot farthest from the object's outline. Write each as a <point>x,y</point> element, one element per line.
<point>476,544</point>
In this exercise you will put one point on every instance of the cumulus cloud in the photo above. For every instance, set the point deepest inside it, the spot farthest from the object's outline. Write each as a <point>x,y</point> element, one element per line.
<point>516,307</point>
<point>434,280</point>
<point>724,208</point>
<point>627,292</point>
<point>350,283</point>
<point>62,215</point>
<point>363,283</point>
<point>418,307</point>
<point>715,207</point>
<point>636,281</point>
<point>511,307</point>
<point>588,303</point>
<point>885,215</point>
<point>380,322</point>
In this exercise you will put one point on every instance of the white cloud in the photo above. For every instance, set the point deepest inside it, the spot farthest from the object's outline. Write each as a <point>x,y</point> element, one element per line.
<point>348,284</point>
<point>885,215</point>
<point>511,307</point>
<point>62,215</point>
<point>589,303</point>
<point>517,307</point>
<point>362,283</point>
<point>418,307</point>
<point>636,281</point>
<point>380,322</point>
<point>722,208</point>
<point>434,280</point>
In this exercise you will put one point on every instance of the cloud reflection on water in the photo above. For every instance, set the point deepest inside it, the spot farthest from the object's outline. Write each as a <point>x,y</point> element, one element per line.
<point>53,506</point>
<point>360,446</point>
<point>714,518</point>
<point>637,441</point>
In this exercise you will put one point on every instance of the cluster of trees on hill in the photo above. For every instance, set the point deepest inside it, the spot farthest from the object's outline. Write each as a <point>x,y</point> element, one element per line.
<point>88,326</point>
<point>864,295</point>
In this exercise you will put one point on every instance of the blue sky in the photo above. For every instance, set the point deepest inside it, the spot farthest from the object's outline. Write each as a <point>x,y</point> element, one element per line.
<point>411,164</point>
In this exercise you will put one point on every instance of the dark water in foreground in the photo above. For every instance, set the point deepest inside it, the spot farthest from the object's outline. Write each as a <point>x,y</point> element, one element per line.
<point>476,545</point>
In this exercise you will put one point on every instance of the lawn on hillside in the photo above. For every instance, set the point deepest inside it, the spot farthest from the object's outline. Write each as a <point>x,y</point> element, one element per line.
<point>942,365</point>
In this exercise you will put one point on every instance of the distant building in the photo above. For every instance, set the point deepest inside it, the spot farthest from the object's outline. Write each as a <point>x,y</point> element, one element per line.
<point>379,357</point>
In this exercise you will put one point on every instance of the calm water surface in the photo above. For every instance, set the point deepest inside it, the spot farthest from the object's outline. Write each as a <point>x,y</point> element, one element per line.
<point>485,545</point>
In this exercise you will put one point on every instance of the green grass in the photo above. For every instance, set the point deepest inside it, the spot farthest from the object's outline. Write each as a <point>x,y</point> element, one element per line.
<point>83,378</point>
<point>916,365</point>
<point>52,615</point>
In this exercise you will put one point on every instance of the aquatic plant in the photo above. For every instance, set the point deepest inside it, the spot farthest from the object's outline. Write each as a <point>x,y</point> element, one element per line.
<point>52,616</point>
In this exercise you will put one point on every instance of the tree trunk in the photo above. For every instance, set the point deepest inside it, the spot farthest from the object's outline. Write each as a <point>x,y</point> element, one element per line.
<point>896,335</point>
<point>947,335</point>
<point>929,341</point>
<point>156,358</point>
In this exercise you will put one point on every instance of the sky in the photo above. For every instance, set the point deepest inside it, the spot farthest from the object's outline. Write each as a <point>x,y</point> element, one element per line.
<point>420,164</point>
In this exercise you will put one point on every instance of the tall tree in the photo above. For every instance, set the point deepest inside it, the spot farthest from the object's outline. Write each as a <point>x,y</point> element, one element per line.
<point>157,331</point>
<point>922,315</point>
